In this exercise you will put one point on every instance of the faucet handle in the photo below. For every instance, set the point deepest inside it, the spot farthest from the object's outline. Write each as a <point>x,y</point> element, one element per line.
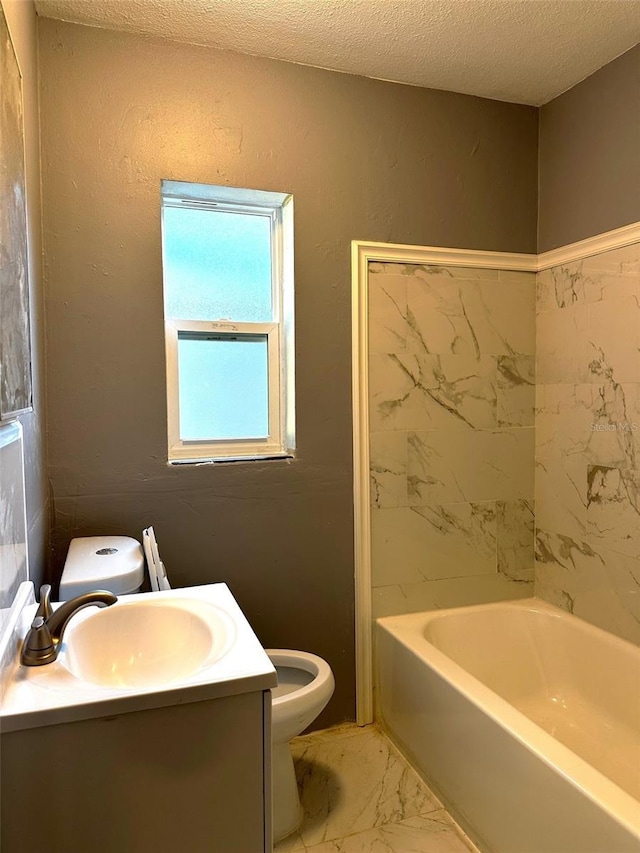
<point>45,610</point>
<point>38,647</point>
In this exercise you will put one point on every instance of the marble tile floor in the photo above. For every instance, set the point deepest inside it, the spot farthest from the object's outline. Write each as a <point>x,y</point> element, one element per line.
<point>359,795</point>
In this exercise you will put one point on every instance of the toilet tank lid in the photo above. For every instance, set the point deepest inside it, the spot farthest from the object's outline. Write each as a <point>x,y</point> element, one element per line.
<point>115,563</point>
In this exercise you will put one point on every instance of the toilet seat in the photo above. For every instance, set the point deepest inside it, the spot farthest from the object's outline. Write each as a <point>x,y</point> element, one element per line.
<point>157,572</point>
<point>321,677</point>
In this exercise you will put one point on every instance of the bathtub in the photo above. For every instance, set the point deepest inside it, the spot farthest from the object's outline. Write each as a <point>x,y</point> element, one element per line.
<point>524,719</point>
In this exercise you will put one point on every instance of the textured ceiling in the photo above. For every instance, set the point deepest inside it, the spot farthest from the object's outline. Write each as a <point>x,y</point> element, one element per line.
<point>526,51</point>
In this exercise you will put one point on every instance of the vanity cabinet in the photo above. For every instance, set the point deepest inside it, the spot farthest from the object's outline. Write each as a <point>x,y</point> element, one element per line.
<point>186,778</point>
<point>134,755</point>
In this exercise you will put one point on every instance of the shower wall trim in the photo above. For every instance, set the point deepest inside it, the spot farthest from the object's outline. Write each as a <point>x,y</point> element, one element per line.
<point>616,239</point>
<point>362,254</point>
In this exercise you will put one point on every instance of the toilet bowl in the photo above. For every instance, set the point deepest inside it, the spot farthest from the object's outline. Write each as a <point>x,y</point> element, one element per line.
<point>305,681</point>
<point>305,685</point>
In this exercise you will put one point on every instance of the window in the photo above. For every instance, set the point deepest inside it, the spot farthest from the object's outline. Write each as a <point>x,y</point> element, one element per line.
<point>228,306</point>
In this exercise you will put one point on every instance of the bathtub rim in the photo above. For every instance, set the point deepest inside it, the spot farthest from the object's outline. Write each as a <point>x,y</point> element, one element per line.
<point>406,628</point>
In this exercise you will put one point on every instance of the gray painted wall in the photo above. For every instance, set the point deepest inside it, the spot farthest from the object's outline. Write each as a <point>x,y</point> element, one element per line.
<point>365,160</point>
<point>590,155</point>
<point>22,22</point>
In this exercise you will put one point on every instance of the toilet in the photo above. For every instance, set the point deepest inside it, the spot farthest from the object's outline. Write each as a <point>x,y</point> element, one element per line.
<point>305,681</point>
<point>305,685</point>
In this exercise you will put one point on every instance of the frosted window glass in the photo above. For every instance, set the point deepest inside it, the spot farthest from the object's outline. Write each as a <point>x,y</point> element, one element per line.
<point>217,265</point>
<point>223,387</point>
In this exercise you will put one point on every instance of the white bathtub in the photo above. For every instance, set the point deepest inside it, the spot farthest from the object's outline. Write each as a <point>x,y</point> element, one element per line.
<point>525,720</point>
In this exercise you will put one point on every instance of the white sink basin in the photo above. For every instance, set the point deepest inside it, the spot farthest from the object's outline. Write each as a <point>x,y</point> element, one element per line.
<point>145,643</point>
<point>148,650</point>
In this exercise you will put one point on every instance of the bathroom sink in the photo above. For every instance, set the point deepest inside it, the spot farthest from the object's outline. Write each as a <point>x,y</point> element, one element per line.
<point>145,643</point>
<point>148,650</point>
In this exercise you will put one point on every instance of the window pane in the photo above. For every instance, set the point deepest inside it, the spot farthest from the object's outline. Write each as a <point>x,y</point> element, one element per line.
<point>217,265</point>
<point>224,391</point>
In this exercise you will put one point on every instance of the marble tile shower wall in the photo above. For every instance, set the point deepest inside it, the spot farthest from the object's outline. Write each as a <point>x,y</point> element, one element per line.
<point>588,439</point>
<point>452,395</point>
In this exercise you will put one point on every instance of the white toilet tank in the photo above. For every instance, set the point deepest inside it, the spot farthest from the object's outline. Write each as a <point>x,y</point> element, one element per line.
<point>114,563</point>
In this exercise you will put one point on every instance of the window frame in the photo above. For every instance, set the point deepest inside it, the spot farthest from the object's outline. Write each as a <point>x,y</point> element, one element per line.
<point>280,441</point>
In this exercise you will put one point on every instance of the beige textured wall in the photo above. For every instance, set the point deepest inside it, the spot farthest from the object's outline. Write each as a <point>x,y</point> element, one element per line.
<point>364,160</point>
<point>22,23</point>
<point>590,156</point>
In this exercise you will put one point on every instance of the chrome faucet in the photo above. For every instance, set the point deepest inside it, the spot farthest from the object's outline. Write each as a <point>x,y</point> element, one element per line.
<point>42,643</point>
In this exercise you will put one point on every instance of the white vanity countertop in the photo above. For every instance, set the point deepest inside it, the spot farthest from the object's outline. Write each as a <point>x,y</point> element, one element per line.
<point>50,694</point>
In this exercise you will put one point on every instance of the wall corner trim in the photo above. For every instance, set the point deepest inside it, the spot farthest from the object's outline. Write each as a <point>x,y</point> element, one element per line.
<point>595,245</point>
<point>365,252</point>
<point>361,253</point>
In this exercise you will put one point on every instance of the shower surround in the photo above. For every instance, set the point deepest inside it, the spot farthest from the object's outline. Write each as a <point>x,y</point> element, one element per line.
<point>452,392</point>
<point>453,403</point>
<point>588,439</point>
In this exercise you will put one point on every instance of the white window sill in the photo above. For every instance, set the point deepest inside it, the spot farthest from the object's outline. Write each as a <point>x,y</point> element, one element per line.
<point>232,459</point>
